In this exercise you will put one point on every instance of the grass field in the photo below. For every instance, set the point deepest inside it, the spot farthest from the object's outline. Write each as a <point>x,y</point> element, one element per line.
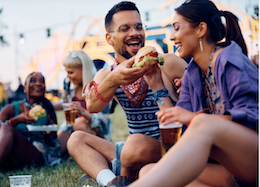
<point>68,173</point>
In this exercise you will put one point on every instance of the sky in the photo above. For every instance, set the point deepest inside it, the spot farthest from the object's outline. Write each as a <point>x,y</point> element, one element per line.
<point>32,18</point>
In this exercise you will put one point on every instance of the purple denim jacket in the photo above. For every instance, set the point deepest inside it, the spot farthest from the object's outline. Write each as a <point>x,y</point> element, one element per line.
<point>237,80</point>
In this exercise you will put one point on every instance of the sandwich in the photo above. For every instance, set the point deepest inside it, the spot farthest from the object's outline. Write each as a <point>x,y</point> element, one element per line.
<point>147,56</point>
<point>37,112</point>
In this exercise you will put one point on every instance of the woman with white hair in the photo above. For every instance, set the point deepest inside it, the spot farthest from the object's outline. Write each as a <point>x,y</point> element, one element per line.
<point>80,71</point>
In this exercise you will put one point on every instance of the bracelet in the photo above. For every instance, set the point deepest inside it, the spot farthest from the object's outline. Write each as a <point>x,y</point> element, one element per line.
<point>160,93</point>
<point>100,97</point>
<point>83,111</point>
<point>9,122</point>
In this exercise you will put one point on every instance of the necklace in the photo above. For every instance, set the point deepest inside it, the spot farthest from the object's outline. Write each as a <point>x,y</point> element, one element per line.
<point>27,104</point>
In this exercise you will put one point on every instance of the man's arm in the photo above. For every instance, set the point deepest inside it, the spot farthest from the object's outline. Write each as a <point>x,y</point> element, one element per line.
<point>109,81</point>
<point>163,77</point>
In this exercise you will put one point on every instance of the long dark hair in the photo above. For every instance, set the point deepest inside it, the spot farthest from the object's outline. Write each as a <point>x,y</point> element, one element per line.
<point>197,11</point>
<point>45,102</point>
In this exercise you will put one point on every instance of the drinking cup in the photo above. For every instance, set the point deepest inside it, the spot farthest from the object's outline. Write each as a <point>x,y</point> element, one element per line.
<point>20,180</point>
<point>170,134</point>
<point>70,113</point>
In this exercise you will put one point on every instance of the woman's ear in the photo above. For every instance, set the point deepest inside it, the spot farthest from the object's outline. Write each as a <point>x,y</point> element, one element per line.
<point>202,29</point>
<point>109,39</point>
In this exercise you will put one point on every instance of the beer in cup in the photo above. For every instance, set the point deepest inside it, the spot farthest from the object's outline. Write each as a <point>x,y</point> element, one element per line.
<point>70,114</point>
<point>170,134</point>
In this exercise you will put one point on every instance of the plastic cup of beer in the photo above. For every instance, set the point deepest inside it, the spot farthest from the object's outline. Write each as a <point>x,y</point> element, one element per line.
<point>70,113</point>
<point>20,181</point>
<point>170,134</point>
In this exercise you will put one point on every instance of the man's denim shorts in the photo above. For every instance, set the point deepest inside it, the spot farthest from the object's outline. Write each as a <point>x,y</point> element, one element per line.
<point>116,164</point>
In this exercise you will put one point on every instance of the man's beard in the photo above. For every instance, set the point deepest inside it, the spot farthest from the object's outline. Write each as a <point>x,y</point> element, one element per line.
<point>126,54</point>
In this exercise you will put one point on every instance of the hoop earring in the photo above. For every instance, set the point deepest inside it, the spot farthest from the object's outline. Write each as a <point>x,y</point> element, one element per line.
<point>201,46</point>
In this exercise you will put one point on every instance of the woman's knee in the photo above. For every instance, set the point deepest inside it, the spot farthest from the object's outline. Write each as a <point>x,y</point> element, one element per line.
<point>7,132</point>
<point>144,170</point>
<point>201,122</point>
<point>80,124</point>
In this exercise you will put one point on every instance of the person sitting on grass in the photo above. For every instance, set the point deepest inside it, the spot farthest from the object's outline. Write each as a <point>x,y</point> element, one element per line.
<point>222,81</point>
<point>80,71</point>
<point>18,146</point>
<point>103,160</point>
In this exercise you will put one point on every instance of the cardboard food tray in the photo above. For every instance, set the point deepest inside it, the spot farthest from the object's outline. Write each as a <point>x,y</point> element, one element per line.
<point>42,128</point>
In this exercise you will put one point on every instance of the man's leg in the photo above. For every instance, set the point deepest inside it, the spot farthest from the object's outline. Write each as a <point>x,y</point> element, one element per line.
<point>93,154</point>
<point>139,150</point>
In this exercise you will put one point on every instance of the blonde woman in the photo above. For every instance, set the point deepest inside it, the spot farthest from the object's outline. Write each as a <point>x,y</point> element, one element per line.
<point>81,70</point>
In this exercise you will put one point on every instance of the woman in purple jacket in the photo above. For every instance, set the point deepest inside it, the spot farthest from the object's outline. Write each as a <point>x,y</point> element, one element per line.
<point>222,81</point>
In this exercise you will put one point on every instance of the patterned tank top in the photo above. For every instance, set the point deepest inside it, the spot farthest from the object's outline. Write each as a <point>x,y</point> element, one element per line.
<point>141,119</point>
<point>214,101</point>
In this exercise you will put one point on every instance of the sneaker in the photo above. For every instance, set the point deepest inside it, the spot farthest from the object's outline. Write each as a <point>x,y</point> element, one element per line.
<point>88,181</point>
<point>119,181</point>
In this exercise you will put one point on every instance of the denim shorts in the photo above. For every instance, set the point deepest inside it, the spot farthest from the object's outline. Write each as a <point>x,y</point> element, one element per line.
<point>242,184</point>
<point>116,164</point>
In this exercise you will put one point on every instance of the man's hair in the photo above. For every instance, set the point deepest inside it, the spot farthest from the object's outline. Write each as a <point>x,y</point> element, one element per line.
<point>123,5</point>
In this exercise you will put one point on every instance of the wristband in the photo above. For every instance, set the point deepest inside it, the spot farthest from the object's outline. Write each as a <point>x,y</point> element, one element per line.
<point>160,93</point>
<point>83,112</point>
<point>98,95</point>
<point>9,122</point>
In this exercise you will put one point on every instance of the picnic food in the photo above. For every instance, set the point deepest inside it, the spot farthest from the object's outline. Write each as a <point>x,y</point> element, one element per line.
<point>147,56</point>
<point>37,112</point>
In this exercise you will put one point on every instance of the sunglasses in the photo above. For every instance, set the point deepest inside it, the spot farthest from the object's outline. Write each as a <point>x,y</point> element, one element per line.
<point>139,27</point>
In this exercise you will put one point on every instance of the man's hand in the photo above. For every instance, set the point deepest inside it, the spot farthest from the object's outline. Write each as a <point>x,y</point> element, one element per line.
<point>124,73</point>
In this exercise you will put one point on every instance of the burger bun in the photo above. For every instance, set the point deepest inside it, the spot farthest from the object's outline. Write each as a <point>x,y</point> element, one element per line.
<point>37,112</point>
<point>143,57</point>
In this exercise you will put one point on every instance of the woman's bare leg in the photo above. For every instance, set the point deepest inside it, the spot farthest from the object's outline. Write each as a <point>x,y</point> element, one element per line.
<point>6,140</point>
<point>17,146</point>
<point>83,125</point>
<point>63,137</point>
<point>232,145</point>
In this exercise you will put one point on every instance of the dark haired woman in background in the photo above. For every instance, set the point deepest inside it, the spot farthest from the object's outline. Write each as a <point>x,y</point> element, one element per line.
<point>18,146</point>
<point>222,80</point>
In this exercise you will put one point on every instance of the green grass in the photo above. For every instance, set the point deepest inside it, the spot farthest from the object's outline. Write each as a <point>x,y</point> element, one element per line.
<point>68,173</point>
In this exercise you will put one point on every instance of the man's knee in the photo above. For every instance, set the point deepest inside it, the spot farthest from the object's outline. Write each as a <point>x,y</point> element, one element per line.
<point>140,149</point>
<point>74,140</point>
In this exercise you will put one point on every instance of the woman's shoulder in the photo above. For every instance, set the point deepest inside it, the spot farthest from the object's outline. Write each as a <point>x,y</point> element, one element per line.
<point>8,110</point>
<point>231,54</point>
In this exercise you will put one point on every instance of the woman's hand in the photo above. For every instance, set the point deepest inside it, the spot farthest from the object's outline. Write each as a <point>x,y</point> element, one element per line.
<point>174,114</point>
<point>24,118</point>
<point>178,84</point>
<point>153,77</point>
<point>75,105</point>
